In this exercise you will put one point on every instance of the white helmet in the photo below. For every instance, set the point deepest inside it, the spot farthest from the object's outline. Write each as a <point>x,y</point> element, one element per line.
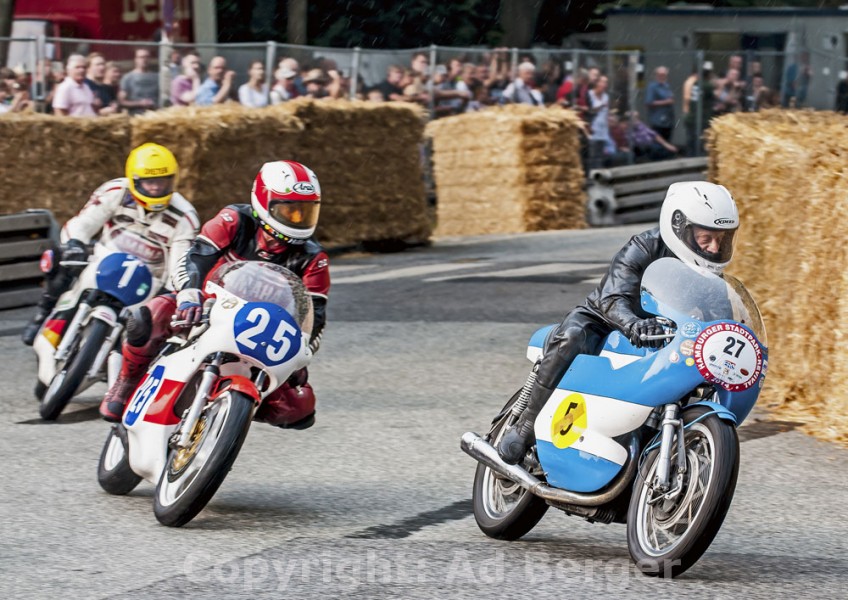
<point>698,223</point>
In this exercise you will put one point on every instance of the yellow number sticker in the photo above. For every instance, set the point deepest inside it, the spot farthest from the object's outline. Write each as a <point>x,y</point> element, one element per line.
<point>569,421</point>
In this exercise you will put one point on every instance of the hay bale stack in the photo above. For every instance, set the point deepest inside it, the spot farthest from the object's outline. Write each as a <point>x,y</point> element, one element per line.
<point>508,169</point>
<point>219,148</point>
<point>368,160</point>
<point>56,162</point>
<point>789,174</point>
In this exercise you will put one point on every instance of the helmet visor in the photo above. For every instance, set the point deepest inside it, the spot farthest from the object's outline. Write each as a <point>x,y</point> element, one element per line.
<point>297,215</point>
<point>715,245</point>
<point>155,187</point>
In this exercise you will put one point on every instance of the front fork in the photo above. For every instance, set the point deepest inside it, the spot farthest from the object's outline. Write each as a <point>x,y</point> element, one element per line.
<point>210,375</point>
<point>672,424</point>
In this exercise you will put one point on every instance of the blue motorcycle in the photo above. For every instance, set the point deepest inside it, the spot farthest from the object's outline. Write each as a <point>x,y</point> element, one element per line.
<point>645,437</point>
<point>75,353</point>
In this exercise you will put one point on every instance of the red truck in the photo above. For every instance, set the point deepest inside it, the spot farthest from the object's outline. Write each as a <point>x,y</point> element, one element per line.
<point>119,20</point>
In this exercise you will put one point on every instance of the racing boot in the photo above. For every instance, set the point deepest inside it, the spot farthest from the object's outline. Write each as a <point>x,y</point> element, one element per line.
<point>519,438</point>
<point>289,407</point>
<point>43,309</point>
<point>132,370</point>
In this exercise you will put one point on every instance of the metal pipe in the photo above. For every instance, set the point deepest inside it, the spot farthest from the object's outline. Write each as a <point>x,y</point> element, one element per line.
<point>104,351</point>
<point>482,451</point>
<point>209,377</point>
<point>669,425</point>
<point>83,310</point>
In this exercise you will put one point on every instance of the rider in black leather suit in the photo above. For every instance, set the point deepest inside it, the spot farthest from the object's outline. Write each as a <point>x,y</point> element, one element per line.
<point>613,305</point>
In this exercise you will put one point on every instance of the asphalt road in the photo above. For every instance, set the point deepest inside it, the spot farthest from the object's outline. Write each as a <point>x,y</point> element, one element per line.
<point>374,500</point>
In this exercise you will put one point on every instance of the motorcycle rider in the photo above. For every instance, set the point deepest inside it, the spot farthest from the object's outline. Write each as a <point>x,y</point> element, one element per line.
<point>698,223</point>
<point>276,227</point>
<point>143,204</point>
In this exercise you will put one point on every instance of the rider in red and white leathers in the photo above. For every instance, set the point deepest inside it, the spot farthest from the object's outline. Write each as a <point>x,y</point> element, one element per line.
<point>276,227</point>
<point>140,214</point>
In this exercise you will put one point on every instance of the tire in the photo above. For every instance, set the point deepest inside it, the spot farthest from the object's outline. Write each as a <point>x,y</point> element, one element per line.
<point>187,484</point>
<point>113,470</point>
<point>679,542</point>
<point>65,383</point>
<point>522,511</point>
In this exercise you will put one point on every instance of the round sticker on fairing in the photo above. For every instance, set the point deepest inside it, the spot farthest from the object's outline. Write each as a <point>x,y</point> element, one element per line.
<point>729,355</point>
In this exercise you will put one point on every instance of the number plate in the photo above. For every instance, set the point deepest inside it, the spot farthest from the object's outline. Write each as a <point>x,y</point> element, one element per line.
<point>266,332</point>
<point>729,355</point>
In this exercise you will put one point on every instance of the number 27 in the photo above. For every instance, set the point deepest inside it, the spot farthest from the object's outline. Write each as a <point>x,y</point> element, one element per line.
<point>731,342</point>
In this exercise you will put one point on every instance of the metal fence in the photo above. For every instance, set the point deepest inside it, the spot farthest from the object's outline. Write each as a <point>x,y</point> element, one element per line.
<point>814,74</point>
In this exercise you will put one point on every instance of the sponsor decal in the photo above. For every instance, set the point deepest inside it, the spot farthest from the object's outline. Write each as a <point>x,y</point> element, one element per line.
<point>724,221</point>
<point>156,171</point>
<point>690,362</point>
<point>145,393</point>
<point>687,347</point>
<point>690,329</point>
<point>229,303</point>
<point>142,289</point>
<point>322,263</point>
<point>729,355</point>
<point>46,262</point>
<point>674,357</point>
<point>227,217</point>
<point>569,421</point>
<point>304,188</point>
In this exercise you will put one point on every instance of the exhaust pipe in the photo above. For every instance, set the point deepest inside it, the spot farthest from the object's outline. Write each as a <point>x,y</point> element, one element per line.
<point>482,451</point>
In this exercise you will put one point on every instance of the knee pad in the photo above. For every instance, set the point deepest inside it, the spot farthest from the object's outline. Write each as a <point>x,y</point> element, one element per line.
<point>139,326</point>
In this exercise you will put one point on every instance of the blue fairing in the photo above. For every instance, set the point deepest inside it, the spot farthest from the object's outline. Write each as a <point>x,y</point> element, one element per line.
<point>538,339</point>
<point>575,470</point>
<point>124,277</point>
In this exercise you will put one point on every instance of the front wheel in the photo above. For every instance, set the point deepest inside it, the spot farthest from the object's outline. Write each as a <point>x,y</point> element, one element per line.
<point>65,383</point>
<point>113,470</point>
<point>503,509</point>
<point>192,475</point>
<point>668,533</point>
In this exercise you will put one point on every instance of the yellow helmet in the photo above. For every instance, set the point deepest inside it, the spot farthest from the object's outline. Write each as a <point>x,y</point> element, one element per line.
<point>152,171</point>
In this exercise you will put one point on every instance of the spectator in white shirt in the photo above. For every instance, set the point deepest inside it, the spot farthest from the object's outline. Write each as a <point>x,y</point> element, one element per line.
<point>521,90</point>
<point>254,93</point>
<point>72,97</point>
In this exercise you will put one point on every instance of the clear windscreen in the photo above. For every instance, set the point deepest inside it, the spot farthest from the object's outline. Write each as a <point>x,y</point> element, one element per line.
<point>257,281</point>
<point>701,295</point>
<point>151,253</point>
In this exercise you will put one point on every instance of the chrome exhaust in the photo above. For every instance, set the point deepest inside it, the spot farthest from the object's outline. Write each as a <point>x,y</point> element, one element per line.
<point>482,451</point>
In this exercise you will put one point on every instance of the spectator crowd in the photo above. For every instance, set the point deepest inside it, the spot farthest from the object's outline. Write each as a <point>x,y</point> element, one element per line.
<point>614,133</point>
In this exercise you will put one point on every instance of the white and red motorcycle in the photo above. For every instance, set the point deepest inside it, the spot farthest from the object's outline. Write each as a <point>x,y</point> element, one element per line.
<point>186,421</point>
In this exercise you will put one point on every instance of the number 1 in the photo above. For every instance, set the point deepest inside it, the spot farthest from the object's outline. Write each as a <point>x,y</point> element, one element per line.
<point>130,265</point>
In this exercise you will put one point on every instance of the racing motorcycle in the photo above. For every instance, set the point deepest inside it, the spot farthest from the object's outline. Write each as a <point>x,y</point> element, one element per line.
<point>645,437</point>
<point>123,271</point>
<point>185,423</point>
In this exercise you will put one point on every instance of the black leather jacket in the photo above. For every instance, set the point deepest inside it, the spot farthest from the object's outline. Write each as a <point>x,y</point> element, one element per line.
<point>616,300</point>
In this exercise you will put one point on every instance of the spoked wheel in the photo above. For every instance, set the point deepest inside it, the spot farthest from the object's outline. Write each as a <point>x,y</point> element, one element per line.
<point>668,532</point>
<point>71,374</point>
<point>192,475</point>
<point>503,509</point>
<point>113,471</point>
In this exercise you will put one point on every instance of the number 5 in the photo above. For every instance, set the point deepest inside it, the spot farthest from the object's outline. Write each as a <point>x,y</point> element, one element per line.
<point>276,354</point>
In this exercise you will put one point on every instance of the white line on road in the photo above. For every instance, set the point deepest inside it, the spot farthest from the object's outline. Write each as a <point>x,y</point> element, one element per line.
<point>543,269</point>
<point>408,272</point>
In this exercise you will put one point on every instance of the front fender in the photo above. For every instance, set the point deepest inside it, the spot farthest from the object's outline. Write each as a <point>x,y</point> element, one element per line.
<point>718,409</point>
<point>237,383</point>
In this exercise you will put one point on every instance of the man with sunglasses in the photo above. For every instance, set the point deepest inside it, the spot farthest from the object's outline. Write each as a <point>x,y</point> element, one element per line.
<point>276,227</point>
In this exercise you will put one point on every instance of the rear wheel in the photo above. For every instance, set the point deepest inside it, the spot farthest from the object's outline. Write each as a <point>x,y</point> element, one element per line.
<point>71,375</point>
<point>113,471</point>
<point>503,509</point>
<point>192,475</point>
<point>668,532</point>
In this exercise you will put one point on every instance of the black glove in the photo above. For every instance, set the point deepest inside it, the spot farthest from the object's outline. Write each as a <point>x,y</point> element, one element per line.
<point>637,329</point>
<point>74,250</point>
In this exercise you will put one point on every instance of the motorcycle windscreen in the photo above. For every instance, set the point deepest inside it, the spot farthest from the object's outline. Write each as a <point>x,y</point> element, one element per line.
<point>681,292</point>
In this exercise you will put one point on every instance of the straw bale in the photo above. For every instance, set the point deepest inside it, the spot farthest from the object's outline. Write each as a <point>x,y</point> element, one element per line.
<point>56,162</point>
<point>219,148</point>
<point>508,169</point>
<point>368,159</point>
<point>787,170</point>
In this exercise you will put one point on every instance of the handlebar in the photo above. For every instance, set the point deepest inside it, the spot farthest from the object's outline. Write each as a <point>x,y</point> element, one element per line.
<point>668,324</point>
<point>73,263</point>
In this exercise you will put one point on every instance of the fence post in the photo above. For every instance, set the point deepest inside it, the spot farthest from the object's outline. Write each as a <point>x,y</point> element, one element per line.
<point>632,84</point>
<point>699,107</point>
<point>33,56</point>
<point>575,59</point>
<point>513,63</point>
<point>164,48</point>
<point>270,55</point>
<point>41,54</point>
<point>354,71</point>
<point>431,87</point>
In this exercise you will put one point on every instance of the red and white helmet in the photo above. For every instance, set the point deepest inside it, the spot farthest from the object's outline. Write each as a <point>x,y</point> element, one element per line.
<point>286,198</point>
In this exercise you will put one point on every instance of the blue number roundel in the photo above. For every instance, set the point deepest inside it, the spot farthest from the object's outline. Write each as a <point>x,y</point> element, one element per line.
<point>124,277</point>
<point>266,332</point>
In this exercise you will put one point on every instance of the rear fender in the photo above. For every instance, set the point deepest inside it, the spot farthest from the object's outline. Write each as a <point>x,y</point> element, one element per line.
<point>236,383</point>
